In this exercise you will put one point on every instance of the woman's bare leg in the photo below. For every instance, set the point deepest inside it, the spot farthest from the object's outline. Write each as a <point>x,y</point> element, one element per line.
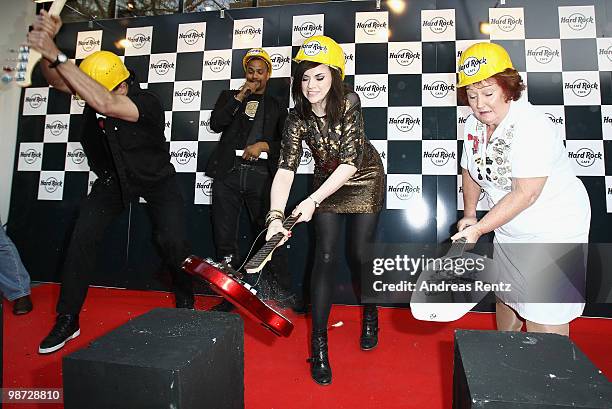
<point>506,318</point>
<point>562,329</point>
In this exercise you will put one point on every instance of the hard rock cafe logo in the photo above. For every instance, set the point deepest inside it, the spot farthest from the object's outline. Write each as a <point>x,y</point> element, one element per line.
<point>56,127</point>
<point>581,87</point>
<point>371,26</point>
<point>168,124</point>
<point>35,100</point>
<point>585,157</point>
<point>205,187</point>
<point>438,25</point>
<point>462,119</point>
<point>30,156</point>
<point>404,190</point>
<point>404,122</point>
<point>79,101</point>
<point>247,31</point>
<point>607,52</point>
<point>554,119</point>
<point>51,184</point>
<point>88,44</point>
<point>77,156</point>
<point>187,95</point>
<point>543,54</point>
<point>183,156</point>
<point>190,37</point>
<point>279,61</point>
<point>205,123</point>
<point>371,90</point>
<point>439,156</point>
<point>217,64</point>
<point>607,120</point>
<point>506,23</point>
<point>139,40</point>
<point>577,21</point>
<point>162,67</point>
<point>306,157</point>
<point>471,65</point>
<point>308,29</point>
<point>404,57</point>
<point>348,57</point>
<point>313,48</point>
<point>438,89</point>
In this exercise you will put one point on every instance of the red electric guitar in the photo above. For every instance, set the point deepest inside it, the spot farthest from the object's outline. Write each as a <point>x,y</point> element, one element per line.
<point>227,283</point>
<point>242,295</point>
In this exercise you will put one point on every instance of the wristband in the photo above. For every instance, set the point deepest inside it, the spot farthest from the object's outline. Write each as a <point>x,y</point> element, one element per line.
<point>317,204</point>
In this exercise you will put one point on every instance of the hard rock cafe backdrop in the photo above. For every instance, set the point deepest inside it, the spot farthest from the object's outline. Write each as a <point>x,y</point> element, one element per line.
<point>402,66</point>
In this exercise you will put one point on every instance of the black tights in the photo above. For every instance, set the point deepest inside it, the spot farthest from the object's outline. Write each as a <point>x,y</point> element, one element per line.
<point>327,228</point>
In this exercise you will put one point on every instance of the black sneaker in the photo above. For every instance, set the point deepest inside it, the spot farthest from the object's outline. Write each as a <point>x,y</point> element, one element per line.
<point>66,328</point>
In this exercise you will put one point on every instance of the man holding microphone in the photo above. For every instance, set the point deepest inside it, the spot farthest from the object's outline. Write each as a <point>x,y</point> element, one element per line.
<point>245,160</point>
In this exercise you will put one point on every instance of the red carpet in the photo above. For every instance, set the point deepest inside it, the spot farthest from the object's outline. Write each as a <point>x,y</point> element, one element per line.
<point>411,368</point>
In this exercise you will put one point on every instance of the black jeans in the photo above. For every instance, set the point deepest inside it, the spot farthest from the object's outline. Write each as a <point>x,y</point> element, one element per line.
<point>103,205</point>
<point>249,185</point>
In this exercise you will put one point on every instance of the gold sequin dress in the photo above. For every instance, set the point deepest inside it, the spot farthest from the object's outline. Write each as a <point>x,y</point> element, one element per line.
<point>346,143</point>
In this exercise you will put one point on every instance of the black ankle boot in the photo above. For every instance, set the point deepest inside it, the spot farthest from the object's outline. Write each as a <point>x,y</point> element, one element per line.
<point>369,329</point>
<point>319,362</point>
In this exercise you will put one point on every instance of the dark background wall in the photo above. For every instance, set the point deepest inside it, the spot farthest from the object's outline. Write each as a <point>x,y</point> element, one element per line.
<point>41,227</point>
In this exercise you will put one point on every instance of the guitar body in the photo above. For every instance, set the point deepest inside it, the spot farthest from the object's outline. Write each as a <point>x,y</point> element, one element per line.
<point>434,300</point>
<point>230,287</point>
<point>441,306</point>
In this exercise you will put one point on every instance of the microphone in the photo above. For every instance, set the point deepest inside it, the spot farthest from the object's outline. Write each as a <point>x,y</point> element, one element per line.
<point>247,90</point>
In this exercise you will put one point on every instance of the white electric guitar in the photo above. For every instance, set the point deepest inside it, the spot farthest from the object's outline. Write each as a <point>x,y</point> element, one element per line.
<point>28,58</point>
<point>439,302</point>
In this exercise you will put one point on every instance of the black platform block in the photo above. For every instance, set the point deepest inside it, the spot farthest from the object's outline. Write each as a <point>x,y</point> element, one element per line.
<point>524,370</point>
<point>166,358</point>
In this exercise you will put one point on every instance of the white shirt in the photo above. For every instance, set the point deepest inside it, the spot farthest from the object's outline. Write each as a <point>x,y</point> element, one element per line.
<point>526,145</point>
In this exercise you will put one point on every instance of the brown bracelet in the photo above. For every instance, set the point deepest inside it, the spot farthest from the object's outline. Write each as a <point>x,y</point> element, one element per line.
<point>271,219</point>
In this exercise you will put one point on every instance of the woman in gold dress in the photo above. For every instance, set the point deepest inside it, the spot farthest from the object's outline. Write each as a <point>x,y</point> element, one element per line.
<point>348,183</point>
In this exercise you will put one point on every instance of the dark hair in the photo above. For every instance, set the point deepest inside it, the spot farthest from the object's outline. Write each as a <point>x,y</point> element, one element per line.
<point>335,96</point>
<point>510,82</point>
<point>131,81</point>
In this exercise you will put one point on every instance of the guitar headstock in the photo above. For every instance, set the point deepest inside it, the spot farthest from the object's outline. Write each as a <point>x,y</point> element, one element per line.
<point>22,60</point>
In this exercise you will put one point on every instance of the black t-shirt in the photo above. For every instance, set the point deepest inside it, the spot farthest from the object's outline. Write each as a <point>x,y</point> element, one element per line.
<point>136,152</point>
<point>247,115</point>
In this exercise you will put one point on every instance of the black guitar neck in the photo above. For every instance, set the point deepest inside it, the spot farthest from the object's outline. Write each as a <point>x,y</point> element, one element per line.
<point>261,257</point>
<point>456,249</point>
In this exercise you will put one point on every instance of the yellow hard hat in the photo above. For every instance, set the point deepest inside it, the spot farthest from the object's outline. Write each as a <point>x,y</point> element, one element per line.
<point>257,53</point>
<point>106,68</point>
<point>324,50</point>
<point>481,61</point>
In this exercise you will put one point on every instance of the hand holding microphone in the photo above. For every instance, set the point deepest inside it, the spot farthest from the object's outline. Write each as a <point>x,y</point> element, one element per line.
<point>247,89</point>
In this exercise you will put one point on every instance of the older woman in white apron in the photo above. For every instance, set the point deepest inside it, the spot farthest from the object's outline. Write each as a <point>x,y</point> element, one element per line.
<point>512,151</point>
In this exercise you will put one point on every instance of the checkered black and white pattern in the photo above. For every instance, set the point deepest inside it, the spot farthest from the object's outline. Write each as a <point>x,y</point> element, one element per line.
<point>402,66</point>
